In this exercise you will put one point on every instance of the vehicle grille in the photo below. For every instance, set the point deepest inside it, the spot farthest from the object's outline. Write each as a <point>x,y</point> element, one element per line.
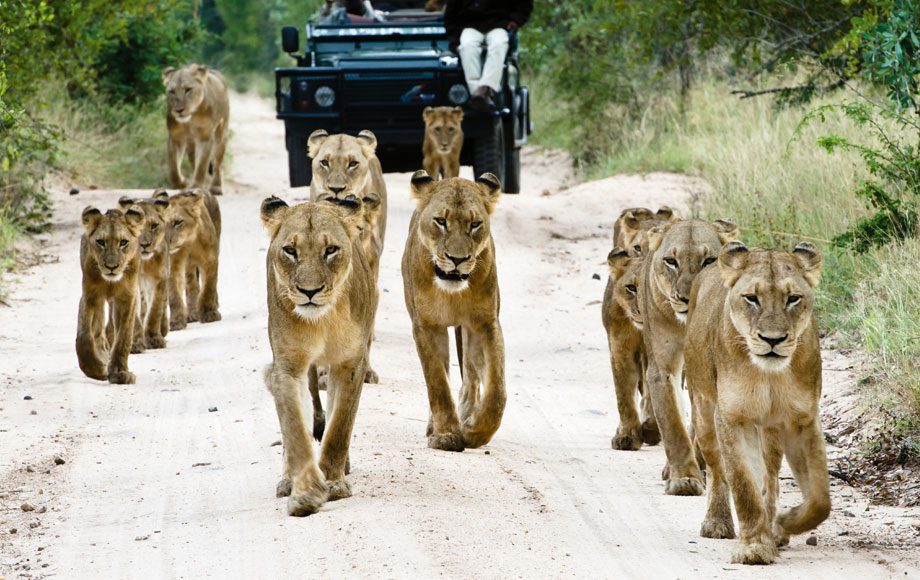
<point>407,117</point>
<point>389,91</point>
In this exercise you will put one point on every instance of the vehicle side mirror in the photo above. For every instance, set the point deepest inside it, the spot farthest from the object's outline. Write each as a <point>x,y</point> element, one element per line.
<point>290,39</point>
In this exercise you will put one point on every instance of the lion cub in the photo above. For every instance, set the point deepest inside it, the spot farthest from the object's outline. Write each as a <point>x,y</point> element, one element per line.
<point>110,262</point>
<point>321,304</point>
<point>193,236</point>
<point>443,141</point>
<point>152,322</point>
<point>197,118</point>
<point>450,279</point>
<point>754,369</point>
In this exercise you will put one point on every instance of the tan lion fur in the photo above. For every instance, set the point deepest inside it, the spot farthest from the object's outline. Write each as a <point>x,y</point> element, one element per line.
<point>110,261</point>
<point>321,304</point>
<point>676,254</point>
<point>443,141</point>
<point>197,118</point>
<point>152,321</point>
<point>346,171</point>
<point>193,236</point>
<point>754,367</point>
<point>450,279</point>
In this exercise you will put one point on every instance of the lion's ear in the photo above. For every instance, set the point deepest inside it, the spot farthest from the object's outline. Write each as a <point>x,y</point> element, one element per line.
<point>315,141</point>
<point>617,260</point>
<point>352,218</point>
<point>808,259</point>
<point>726,229</point>
<point>134,219</point>
<point>422,185</point>
<point>732,260</point>
<point>91,218</point>
<point>273,211</point>
<point>196,194</point>
<point>125,201</point>
<point>161,200</point>
<point>667,214</point>
<point>628,219</point>
<point>200,71</point>
<point>427,113</point>
<point>655,236</point>
<point>457,114</point>
<point>368,142</point>
<point>491,188</point>
<point>167,74</point>
<point>371,201</point>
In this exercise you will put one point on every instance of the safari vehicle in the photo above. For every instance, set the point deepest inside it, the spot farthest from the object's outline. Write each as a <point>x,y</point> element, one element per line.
<point>381,76</point>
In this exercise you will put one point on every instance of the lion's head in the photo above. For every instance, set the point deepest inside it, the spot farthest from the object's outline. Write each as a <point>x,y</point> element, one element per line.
<point>625,271</point>
<point>679,250</point>
<point>184,218</point>
<point>156,214</point>
<point>311,253</point>
<point>630,228</point>
<point>184,90</point>
<point>112,238</point>
<point>341,163</point>
<point>443,127</point>
<point>454,224</point>
<point>770,298</point>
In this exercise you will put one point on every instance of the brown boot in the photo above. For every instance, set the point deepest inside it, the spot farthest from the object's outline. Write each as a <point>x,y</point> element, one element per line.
<point>482,98</point>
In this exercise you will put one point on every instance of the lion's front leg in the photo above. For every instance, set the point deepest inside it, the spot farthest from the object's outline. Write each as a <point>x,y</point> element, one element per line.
<point>739,441</point>
<point>139,344</point>
<point>806,454</point>
<point>628,436</point>
<point>208,304</point>
<point>649,424</point>
<point>434,352</point>
<point>125,312</point>
<point>345,383</point>
<point>718,522</point>
<point>472,361</point>
<point>175,151</point>
<point>220,146</point>
<point>178,313</point>
<point>479,428</point>
<point>684,475</point>
<point>773,460</point>
<point>452,168</point>
<point>203,150</point>
<point>303,481</point>
<point>89,336</point>
<point>192,292</point>
<point>154,327</point>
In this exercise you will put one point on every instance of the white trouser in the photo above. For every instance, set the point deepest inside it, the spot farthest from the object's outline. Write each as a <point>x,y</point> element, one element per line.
<point>471,43</point>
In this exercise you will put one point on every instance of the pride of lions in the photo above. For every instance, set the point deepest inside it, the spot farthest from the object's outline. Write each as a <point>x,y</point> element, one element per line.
<point>685,307</point>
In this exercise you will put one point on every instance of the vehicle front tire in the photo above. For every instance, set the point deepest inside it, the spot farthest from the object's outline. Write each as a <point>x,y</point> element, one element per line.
<point>489,154</point>
<point>512,183</point>
<point>299,165</point>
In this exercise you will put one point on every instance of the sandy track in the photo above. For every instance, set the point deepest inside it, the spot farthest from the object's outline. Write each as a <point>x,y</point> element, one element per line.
<point>156,486</point>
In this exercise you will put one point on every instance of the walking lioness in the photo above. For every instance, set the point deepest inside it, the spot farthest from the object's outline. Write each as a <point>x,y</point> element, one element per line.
<point>443,141</point>
<point>321,304</point>
<point>754,370</point>
<point>450,279</point>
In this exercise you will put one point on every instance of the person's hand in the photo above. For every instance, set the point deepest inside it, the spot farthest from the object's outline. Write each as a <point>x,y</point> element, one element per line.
<point>512,26</point>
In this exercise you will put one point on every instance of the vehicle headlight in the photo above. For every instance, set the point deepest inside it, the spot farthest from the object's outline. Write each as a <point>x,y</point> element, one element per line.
<point>324,96</point>
<point>458,94</point>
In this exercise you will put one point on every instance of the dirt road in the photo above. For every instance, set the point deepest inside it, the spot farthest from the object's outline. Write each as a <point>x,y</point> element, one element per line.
<point>156,486</point>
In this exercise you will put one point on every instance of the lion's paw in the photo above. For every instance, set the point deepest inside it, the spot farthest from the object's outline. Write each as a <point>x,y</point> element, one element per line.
<point>752,554</point>
<point>122,378</point>
<point>371,377</point>
<point>626,440</point>
<point>138,346</point>
<point>718,529</point>
<point>156,342</point>
<point>446,442</point>
<point>216,190</point>
<point>283,489</point>
<point>178,324</point>
<point>649,433</point>
<point>339,490</point>
<point>192,316</point>
<point>210,316</point>
<point>307,502</point>
<point>684,486</point>
<point>780,536</point>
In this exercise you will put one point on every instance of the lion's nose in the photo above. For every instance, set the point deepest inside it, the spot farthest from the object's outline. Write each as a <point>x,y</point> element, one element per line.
<point>682,299</point>
<point>337,190</point>
<point>112,268</point>
<point>311,293</point>
<point>143,245</point>
<point>457,261</point>
<point>773,341</point>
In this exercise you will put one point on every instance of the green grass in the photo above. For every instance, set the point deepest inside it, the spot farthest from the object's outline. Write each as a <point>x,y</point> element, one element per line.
<point>9,234</point>
<point>780,190</point>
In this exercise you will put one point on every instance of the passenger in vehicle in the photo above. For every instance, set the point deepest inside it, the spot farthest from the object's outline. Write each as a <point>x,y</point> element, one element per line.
<point>474,24</point>
<point>347,12</point>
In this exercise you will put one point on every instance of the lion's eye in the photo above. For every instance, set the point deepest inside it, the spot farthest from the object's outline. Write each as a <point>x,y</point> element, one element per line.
<point>638,249</point>
<point>101,243</point>
<point>187,91</point>
<point>290,251</point>
<point>450,130</point>
<point>331,250</point>
<point>475,225</point>
<point>123,243</point>
<point>154,226</point>
<point>751,299</point>
<point>177,223</point>
<point>352,164</point>
<point>671,262</point>
<point>793,300</point>
<point>441,222</point>
<point>324,163</point>
<point>708,261</point>
<point>631,288</point>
